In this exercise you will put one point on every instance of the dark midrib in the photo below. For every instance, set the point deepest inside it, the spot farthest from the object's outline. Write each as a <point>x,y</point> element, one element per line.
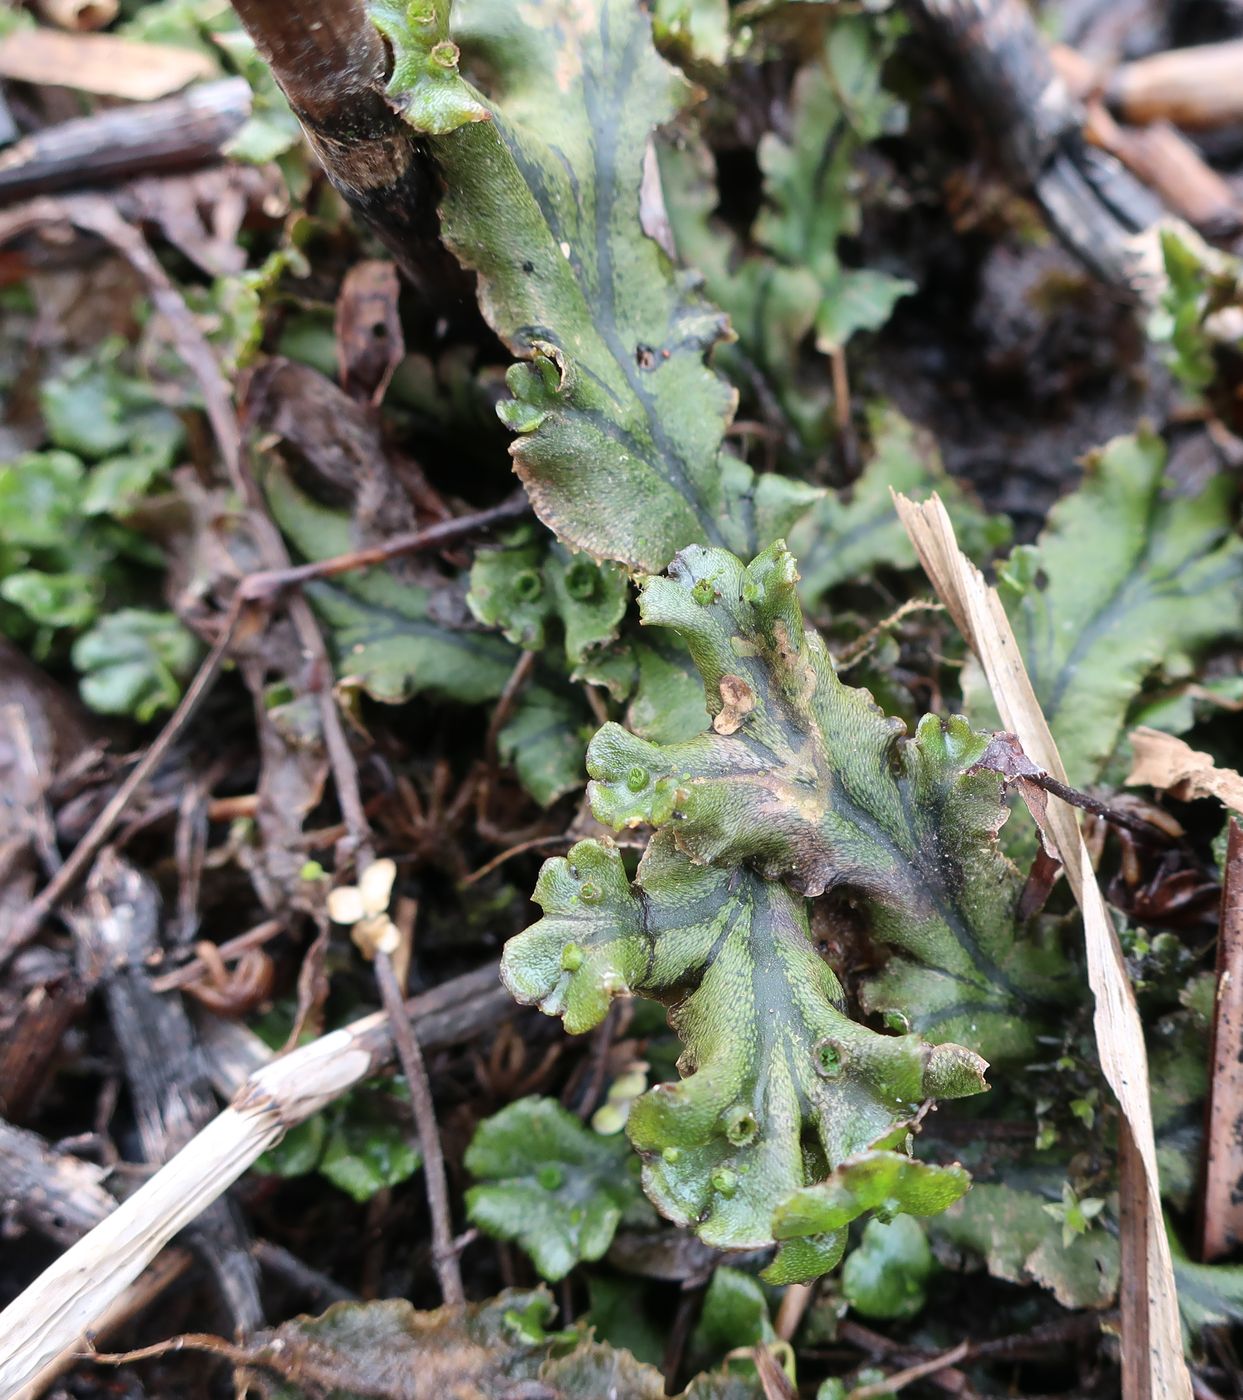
<point>401,625</point>
<point>605,131</point>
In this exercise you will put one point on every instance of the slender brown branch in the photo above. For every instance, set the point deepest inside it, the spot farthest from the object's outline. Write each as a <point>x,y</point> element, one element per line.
<point>188,1341</point>
<point>314,1283</point>
<point>534,844</point>
<point>847,439</point>
<point>233,948</point>
<point>1005,755</point>
<point>1087,803</point>
<point>854,653</point>
<point>518,678</point>
<point>444,1253</point>
<point>899,1379</point>
<point>340,759</point>
<point>876,1344</point>
<point>444,532</point>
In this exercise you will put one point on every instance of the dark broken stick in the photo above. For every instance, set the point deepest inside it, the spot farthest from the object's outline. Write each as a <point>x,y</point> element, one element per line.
<point>163,1066</point>
<point>1157,153</point>
<point>1172,167</point>
<point>321,1290</point>
<point>172,134</point>
<point>49,997</point>
<point>331,64</point>
<point>50,1192</point>
<point>43,994</point>
<point>1090,201</point>
<point>935,1365</point>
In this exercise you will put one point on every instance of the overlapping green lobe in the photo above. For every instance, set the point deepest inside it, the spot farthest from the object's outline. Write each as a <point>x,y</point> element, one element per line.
<point>394,637</point>
<point>1129,573</point>
<point>780,1084</point>
<point>550,1183</point>
<point>531,581</point>
<point>888,1183</point>
<point>786,281</point>
<point>841,540</point>
<point>802,779</point>
<point>620,419</point>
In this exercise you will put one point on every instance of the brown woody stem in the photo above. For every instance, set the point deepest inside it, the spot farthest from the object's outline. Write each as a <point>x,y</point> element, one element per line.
<point>331,64</point>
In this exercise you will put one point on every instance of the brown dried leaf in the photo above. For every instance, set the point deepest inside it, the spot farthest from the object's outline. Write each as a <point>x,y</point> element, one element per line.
<point>336,437</point>
<point>104,64</point>
<point>1162,761</point>
<point>738,700</point>
<point>370,344</point>
<point>201,212</point>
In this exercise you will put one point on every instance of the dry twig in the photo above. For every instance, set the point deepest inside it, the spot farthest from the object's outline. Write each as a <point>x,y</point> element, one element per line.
<point>442,533</point>
<point>900,1379</point>
<point>123,142</point>
<point>444,1255</point>
<point>1194,87</point>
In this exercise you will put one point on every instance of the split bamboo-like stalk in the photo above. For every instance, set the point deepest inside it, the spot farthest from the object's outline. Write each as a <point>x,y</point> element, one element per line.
<point>1152,1354</point>
<point>67,1300</point>
<point>1223,1210</point>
